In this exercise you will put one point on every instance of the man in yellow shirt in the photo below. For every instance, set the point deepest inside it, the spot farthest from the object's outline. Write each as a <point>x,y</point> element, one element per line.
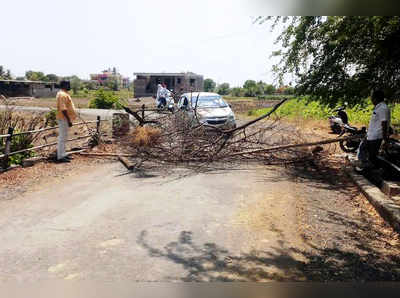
<point>65,115</point>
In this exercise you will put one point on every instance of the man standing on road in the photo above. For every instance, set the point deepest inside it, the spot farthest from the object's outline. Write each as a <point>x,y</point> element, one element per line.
<point>378,131</point>
<point>65,115</point>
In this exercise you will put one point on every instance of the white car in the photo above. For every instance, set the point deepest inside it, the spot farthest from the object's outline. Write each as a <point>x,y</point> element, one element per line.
<point>210,108</point>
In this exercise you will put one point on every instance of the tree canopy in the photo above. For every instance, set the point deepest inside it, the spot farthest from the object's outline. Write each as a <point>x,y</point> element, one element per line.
<point>5,74</point>
<point>35,75</point>
<point>209,85</point>
<point>223,89</point>
<point>340,57</point>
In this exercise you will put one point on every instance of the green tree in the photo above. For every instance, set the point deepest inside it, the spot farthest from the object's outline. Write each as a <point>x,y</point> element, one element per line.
<point>51,78</point>
<point>103,100</point>
<point>237,92</point>
<point>5,74</point>
<point>340,57</point>
<point>209,85</point>
<point>223,89</point>
<point>35,75</point>
<point>76,84</point>
<point>269,89</point>
<point>250,88</point>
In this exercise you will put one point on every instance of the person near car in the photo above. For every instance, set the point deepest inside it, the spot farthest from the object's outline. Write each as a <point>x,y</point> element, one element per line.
<point>159,87</point>
<point>66,113</point>
<point>378,131</point>
<point>162,95</point>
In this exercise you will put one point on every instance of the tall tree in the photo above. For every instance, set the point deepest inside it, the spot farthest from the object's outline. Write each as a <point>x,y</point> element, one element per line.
<point>340,57</point>
<point>250,88</point>
<point>209,85</point>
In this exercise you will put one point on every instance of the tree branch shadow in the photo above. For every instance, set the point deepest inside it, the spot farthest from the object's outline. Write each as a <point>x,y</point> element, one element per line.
<point>213,263</point>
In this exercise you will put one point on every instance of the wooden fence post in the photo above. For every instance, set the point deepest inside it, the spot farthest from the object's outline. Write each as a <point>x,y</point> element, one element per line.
<point>98,126</point>
<point>143,108</point>
<point>7,148</point>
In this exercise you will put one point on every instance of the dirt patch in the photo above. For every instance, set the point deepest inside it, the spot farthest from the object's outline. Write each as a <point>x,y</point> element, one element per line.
<point>242,107</point>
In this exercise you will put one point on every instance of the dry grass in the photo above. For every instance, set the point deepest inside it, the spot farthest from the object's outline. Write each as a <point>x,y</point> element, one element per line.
<point>145,136</point>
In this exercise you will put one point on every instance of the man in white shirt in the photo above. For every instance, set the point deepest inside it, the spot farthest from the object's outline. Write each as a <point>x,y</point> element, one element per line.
<point>159,87</point>
<point>162,96</point>
<point>378,131</point>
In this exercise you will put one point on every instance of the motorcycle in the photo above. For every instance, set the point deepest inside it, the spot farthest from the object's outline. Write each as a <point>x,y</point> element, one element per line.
<point>170,104</point>
<point>166,104</point>
<point>351,146</point>
<point>337,121</point>
<point>392,151</point>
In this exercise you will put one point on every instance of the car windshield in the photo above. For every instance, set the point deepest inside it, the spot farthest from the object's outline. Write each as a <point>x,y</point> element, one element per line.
<point>210,101</point>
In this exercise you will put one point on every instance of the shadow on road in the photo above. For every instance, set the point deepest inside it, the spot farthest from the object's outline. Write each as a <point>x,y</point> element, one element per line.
<point>211,262</point>
<point>174,173</point>
<point>316,174</point>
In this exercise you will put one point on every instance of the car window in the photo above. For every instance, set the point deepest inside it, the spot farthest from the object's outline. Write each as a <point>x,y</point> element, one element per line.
<point>209,101</point>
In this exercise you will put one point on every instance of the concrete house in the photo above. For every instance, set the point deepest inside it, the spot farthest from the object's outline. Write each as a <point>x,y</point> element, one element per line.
<point>108,76</point>
<point>145,84</point>
<point>15,88</point>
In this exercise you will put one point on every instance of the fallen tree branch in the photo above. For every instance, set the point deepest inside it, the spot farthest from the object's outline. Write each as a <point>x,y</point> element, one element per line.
<point>330,141</point>
<point>138,118</point>
<point>107,154</point>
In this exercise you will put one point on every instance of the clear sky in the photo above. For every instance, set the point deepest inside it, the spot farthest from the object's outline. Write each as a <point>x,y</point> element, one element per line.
<point>215,38</point>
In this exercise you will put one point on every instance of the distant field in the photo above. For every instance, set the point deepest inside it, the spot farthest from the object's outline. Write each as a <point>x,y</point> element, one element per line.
<point>233,98</point>
<point>81,100</point>
<point>263,98</point>
<point>80,103</point>
<point>49,102</point>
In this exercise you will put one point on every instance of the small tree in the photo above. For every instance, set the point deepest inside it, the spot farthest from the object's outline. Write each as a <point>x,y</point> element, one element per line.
<point>209,85</point>
<point>223,89</point>
<point>269,89</point>
<point>103,100</point>
<point>75,84</point>
<point>237,91</point>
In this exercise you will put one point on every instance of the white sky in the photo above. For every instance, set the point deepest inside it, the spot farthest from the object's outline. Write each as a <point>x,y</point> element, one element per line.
<point>215,38</point>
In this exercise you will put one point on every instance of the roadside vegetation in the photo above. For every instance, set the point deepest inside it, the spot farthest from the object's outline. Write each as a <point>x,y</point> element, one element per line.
<point>304,108</point>
<point>19,123</point>
<point>250,89</point>
<point>103,99</point>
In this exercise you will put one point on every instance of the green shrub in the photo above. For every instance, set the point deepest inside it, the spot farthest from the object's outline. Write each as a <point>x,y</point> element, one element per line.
<point>21,142</point>
<point>103,100</point>
<point>51,118</point>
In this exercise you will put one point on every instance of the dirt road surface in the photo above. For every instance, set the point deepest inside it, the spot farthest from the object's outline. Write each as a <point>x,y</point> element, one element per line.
<point>249,223</point>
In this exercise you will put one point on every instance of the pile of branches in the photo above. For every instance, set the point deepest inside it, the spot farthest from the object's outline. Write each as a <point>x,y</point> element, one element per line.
<point>176,139</point>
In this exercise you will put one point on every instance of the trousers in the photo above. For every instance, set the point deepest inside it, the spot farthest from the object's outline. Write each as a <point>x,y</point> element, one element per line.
<point>368,151</point>
<point>62,138</point>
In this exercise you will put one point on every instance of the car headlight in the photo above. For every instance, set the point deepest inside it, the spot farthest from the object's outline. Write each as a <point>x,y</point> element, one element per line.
<point>231,117</point>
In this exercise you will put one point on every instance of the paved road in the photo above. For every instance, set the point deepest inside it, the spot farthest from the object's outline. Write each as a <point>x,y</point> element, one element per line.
<point>245,224</point>
<point>104,226</point>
